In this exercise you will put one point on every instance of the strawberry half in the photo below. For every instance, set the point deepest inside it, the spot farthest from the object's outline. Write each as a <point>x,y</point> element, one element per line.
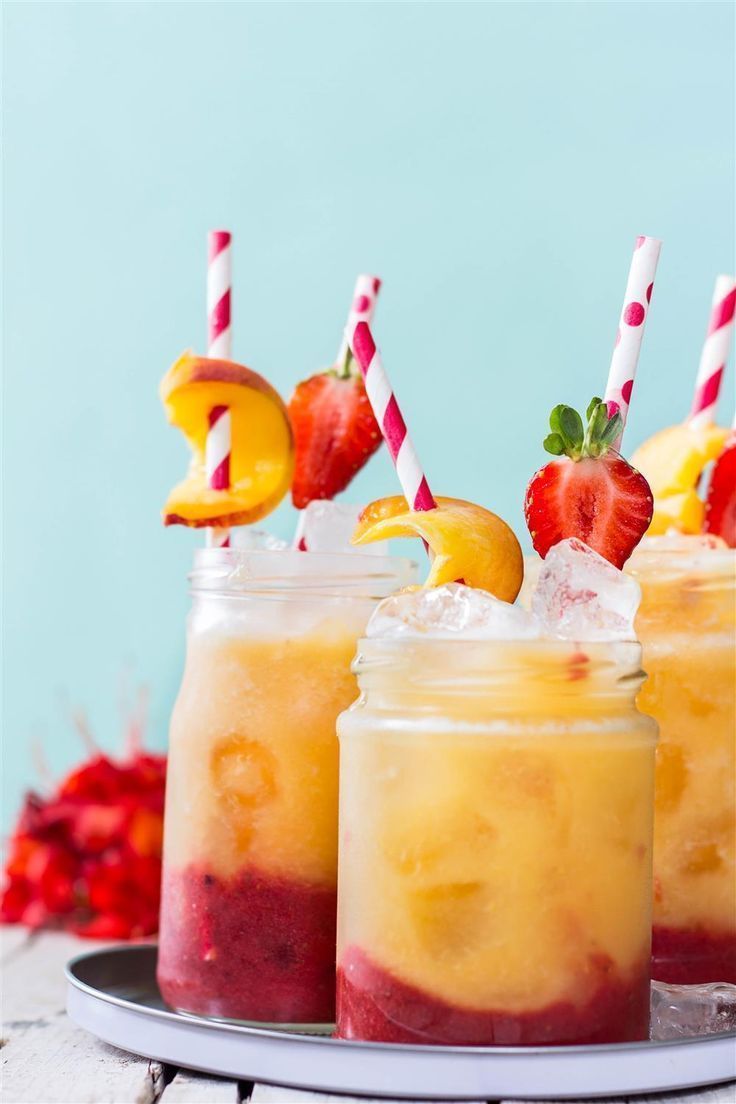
<point>590,492</point>
<point>720,507</point>
<point>335,432</point>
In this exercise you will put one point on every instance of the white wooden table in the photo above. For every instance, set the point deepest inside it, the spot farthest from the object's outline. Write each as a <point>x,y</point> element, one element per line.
<point>46,1059</point>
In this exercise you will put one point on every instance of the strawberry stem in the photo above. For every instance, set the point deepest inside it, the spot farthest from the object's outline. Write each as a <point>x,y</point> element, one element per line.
<point>344,368</point>
<point>570,438</point>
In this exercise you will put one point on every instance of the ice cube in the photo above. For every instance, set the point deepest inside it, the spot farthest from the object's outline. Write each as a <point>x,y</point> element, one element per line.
<point>326,526</point>
<point>581,596</point>
<point>453,610</point>
<point>256,540</point>
<point>682,1011</point>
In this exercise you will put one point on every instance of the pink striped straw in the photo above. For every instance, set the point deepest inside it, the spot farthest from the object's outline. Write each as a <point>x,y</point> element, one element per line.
<point>388,415</point>
<point>631,328</point>
<point>715,353</point>
<point>362,308</point>
<point>219,346</point>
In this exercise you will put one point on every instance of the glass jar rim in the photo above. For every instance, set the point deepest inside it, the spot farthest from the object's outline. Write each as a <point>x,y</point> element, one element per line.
<point>684,554</point>
<point>500,657</point>
<point>233,572</point>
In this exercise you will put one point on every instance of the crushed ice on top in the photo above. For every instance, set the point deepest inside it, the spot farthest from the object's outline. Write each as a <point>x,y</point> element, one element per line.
<point>326,526</point>
<point>451,610</point>
<point>256,540</point>
<point>579,596</point>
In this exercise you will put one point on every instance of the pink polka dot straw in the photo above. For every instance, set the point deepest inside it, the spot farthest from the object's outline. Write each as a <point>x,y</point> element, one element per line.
<point>388,415</point>
<point>362,309</point>
<point>631,328</point>
<point>715,353</point>
<point>219,346</point>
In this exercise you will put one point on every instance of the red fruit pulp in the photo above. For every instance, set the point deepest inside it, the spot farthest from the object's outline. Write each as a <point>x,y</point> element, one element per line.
<point>252,947</point>
<point>375,1005</point>
<point>693,956</point>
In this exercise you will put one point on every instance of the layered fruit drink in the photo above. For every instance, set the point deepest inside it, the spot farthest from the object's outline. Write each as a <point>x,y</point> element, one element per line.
<point>687,626</point>
<point>249,892</point>
<point>496,798</point>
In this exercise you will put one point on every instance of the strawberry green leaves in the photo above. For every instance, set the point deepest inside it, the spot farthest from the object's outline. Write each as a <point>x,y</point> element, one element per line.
<point>570,438</point>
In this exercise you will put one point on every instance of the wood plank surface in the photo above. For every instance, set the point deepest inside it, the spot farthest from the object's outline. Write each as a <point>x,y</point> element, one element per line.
<point>195,1088</point>
<point>48,1060</point>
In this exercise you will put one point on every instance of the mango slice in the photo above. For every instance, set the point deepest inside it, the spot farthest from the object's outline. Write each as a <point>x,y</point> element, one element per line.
<point>262,446</point>
<point>673,461</point>
<point>468,543</point>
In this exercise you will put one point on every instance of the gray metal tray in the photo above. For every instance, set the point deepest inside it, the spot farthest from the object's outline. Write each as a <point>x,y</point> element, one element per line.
<point>113,994</point>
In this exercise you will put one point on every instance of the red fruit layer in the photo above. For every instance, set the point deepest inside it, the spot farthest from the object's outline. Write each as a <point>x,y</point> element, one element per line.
<point>375,1005</point>
<point>253,947</point>
<point>693,956</point>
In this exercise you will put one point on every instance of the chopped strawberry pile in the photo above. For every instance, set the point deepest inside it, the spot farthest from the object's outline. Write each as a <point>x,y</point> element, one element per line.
<point>590,491</point>
<point>87,859</point>
<point>335,432</point>
<point>720,508</point>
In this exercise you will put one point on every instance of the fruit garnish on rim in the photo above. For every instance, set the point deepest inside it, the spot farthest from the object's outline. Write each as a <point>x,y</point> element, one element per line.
<point>673,461</point>
<point>720,507</point>
<point>466,541</point>
<point>262,455</point>
<point>335,431</point>
<point>589,491</point>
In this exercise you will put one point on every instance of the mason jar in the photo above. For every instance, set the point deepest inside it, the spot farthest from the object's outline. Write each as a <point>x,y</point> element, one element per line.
<point>495,869</point>
<point>687,627</point>
<point>250,840</point>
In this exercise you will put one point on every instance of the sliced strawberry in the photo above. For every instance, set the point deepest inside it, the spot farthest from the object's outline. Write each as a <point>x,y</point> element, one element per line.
<point>335,433</point>
<point>589,492</point>
<point>720,508</point>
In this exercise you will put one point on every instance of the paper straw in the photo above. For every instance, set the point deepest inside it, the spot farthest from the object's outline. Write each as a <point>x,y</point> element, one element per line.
<point>715,353</point>
<point>300,541</point>
<point>362,309</point>
<point>388,415</point>
<point>631,328</point>
<point>219,346</point>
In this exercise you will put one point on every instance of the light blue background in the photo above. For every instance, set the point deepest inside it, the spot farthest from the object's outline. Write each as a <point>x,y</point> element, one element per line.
<point>492,163</point>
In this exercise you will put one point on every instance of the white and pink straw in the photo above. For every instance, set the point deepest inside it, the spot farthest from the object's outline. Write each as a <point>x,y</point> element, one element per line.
<point>631,328</point>
<point>219,346</point>
<point>388,415</point>
<point>715,353</point>
<point>362,308</point>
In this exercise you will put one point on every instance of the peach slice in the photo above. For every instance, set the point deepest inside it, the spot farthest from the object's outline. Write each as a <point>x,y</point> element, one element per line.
<point>468,542</point>
<point>673,461</point>
<point>262,451</point>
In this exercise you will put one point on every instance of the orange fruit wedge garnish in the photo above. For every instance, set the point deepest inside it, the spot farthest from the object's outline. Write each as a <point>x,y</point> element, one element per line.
<point>673,461</point>
<point>468,543</point>
<point>262,447</point>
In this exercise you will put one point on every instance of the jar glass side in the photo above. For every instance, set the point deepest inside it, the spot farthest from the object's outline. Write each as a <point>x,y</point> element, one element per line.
<point>495,847</point>
<point>249,897</point>
<point>687,627</point>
